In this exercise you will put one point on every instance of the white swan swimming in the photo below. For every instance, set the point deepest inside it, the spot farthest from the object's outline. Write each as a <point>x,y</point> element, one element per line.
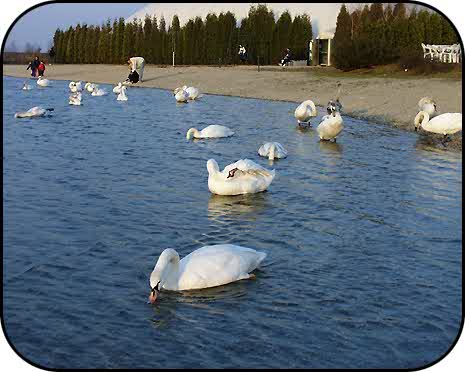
<point>97,92</point>
<point>89,87</point>
<point>26,86</point>
<point>33,112</point>
<point>445,124</point>
<point>75,87</point>
<point>242,177</point>
<point>330,126</point>
<point>212,131</point>
<point>206,267</point>
<point>43,82</point>
<point>75,99</point>
<point>181,95</point>
<point>272,150</point>
<point>117,89</point>
<point>72,87</point>
<point>305,111</point>
<point>122,94</point>
<point>428,105</point>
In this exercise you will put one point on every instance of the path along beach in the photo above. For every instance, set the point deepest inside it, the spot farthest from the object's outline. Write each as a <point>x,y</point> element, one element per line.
<point>381,99</point>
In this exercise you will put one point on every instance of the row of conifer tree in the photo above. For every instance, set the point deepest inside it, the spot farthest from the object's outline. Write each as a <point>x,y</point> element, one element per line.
<point>375,34</point>
<point>212,40</point>
<point>370,35</point>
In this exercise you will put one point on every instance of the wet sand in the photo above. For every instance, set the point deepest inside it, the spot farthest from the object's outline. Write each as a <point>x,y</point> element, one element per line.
<point>390,100</point>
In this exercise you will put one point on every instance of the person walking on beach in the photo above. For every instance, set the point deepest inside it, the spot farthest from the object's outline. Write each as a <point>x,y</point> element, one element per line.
<point>34,65</point>
<point>137,64</point>
<point>33,70</point>
<point>41,68</point>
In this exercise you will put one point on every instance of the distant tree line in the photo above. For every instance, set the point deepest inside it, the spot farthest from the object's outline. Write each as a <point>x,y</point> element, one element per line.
<point>375,35</point>
<point>212,40</point>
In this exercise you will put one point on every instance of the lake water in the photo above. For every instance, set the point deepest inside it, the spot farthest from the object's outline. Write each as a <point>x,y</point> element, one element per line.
<point>363,237</point>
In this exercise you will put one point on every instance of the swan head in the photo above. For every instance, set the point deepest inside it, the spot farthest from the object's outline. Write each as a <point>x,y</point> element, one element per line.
<point>212,166</point>
<point>177,90</point>
<point>421,118</point>
<point>165,266</point>
<point>191,133</point>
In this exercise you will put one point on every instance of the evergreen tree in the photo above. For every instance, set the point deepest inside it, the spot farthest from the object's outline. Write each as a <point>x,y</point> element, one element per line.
<point>342,42</point>
<point>282,35</point>
<point>211,34</point>
<point>147,37</point>
<point>155,42</point>
<point>162,51</point>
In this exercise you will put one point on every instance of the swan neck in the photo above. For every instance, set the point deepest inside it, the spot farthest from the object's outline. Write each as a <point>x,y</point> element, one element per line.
<point>421,119</point>
<point>193,132</point>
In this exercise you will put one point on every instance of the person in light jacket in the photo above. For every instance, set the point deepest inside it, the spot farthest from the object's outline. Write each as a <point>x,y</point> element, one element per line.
<point>137,64</point>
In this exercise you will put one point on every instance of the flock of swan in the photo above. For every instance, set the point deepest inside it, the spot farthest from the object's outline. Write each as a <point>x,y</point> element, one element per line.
<point>220,264</point>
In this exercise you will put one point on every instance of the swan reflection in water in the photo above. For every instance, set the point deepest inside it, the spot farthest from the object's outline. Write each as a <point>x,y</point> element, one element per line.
<point>168,311</point>
<point>245,206</point>
<point>331,147</point>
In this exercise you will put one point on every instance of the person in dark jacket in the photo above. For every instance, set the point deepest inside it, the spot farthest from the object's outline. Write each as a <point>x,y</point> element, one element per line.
<point>287,58</point>
<point>33,70</point>
<point>34,65</point>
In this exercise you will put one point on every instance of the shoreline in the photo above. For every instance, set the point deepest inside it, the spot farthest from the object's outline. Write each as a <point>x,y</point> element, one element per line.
<point>379,99</point>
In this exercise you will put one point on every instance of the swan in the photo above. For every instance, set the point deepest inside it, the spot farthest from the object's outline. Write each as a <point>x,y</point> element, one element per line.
<point>33,112</point>
<point>26,86</point>
<point>43,82</point>
<point>242,177</point>
<point>212,131</point>
<point>122,94</point>
<point>272,150</point>
<point>75,99</point>
<point>75,87</point>
<point>98,91</point>
<point>445,124</point>
<point>117,89</point>
<point>428,105</point>
<point>206,267</point>
<point>335,105</point>
<point>72,87</point>
<point>330,126</point>
<point>193,93</point>
<point>89,87</point>
<point>305,111</point>
<point>181,95</point>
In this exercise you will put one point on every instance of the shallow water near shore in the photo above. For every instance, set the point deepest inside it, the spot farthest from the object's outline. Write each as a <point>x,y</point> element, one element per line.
<point>363,237</point>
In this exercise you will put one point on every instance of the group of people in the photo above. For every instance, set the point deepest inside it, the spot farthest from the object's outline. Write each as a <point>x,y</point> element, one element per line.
<point>243,56</point>
<point>37,67</point>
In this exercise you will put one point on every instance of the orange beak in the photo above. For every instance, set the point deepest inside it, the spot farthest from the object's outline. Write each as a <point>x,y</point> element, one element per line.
<point>153,297</point>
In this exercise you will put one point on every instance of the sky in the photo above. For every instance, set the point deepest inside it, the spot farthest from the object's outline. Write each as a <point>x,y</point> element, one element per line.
<point>38,26</point>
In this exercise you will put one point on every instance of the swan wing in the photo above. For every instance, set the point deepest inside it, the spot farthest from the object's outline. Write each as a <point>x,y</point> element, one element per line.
<point>248,167</point>
<point>447,123</point>
<point>215,265</point>
<point>330,126</point>
<point>216,131</point>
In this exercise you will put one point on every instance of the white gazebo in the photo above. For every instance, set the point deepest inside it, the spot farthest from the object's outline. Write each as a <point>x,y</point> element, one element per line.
<point>321,49</point>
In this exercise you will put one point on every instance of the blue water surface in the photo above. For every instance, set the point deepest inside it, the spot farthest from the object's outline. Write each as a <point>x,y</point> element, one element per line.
<point>363,237</point>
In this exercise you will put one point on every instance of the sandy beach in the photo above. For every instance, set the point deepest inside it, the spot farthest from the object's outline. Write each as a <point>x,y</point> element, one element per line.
<point>384,99</point>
